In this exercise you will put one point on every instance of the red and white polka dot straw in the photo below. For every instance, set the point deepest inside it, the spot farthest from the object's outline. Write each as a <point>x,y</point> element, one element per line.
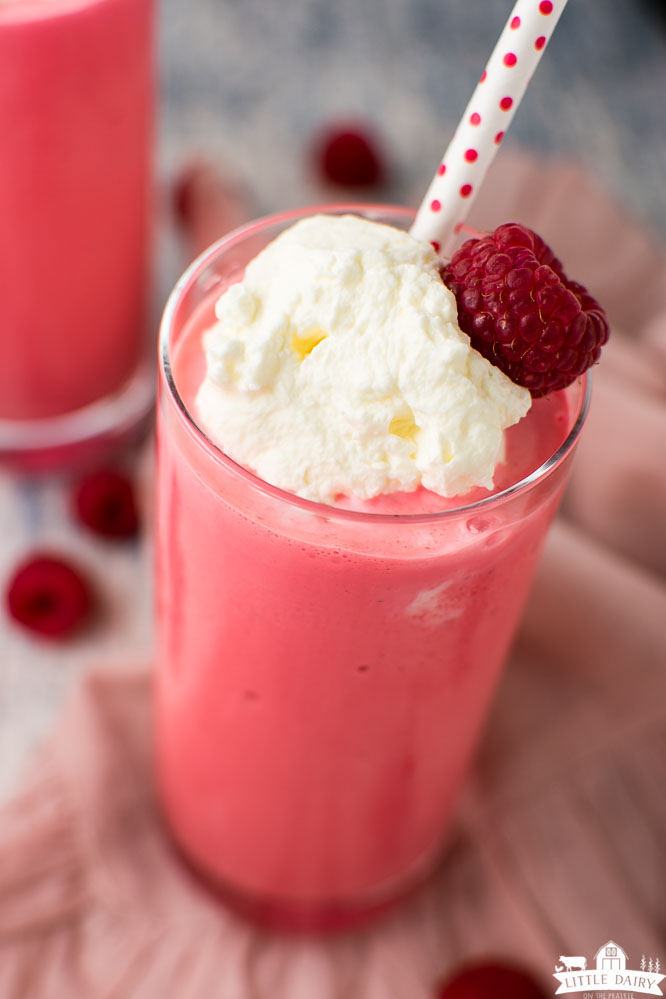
<point>485,121</point>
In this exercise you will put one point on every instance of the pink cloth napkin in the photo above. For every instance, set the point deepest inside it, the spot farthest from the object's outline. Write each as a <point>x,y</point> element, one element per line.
<point>559,840</point>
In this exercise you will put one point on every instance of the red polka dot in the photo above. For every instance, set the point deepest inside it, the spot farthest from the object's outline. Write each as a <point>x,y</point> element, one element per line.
<point>435,245</point>
<point>465,190</point>
<point>545,7</point>
<point>510,59</point>
<point>475,118</point>
<point>540,42</point>
<point>506,103</point>
<point>471,155</point>
<point>435,205</point>
<point>441,169</point>
<point>483,76</point>
<point>498,138</point>
<point>515,23</point>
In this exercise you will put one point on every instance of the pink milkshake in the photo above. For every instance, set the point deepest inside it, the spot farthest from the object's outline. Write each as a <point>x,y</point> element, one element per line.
<point>324,669</point>
<point>76,111</point>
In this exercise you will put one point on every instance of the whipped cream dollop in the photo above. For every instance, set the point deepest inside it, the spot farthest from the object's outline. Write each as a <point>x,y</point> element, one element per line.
<point>337,368</point>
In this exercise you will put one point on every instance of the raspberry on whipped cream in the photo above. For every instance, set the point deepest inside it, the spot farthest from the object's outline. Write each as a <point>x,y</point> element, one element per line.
<point>522,312</point>
<point>337,368</point>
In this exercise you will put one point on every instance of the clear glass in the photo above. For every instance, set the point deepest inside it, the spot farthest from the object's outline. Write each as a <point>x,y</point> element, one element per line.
<point>77,378</point>
<point>323,673</point>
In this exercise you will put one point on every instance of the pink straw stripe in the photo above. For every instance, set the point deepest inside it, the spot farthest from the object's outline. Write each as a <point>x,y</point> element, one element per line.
<point>485,121</point>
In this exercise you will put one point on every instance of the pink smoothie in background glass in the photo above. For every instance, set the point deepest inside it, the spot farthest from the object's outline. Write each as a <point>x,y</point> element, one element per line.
<point>76,114</point>
<point>324,671</point>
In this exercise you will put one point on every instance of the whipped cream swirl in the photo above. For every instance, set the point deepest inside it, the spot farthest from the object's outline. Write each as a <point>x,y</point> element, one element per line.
<point>337,368</point>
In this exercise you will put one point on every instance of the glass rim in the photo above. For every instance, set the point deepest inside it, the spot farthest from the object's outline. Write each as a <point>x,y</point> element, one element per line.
<point>192,274</point>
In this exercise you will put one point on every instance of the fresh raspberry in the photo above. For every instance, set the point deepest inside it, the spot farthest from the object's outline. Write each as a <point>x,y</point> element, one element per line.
<point>104,502</point>
<point>522,312</point>
<point>49,596</point>
<point>348,156</point>
<point>491,981</point>
<point>182,195</point>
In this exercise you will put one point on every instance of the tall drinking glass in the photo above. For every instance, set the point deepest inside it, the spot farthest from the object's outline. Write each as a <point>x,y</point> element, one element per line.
<point>77,82</point>
<point>323,672</point>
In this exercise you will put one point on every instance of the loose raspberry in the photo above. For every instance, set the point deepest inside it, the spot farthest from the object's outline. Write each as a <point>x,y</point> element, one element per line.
<point>348,156</point>
<point>104,502</point>
<point>491,981</point>
<point>49,596</point>
<point>522,312</point>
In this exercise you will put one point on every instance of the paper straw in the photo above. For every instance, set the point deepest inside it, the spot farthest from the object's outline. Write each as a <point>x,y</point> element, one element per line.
<point>485,121</point>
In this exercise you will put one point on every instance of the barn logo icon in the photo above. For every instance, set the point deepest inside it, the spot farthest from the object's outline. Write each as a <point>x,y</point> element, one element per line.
<point>610,974</point>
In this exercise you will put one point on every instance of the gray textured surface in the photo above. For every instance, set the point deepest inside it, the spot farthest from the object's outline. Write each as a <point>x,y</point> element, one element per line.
<point>252,82</point>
